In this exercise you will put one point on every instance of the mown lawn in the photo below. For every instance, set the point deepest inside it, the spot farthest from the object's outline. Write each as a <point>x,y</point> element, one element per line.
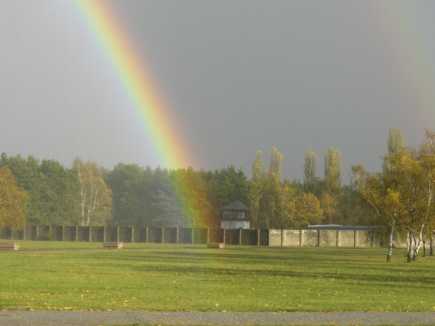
<point>167,277</point>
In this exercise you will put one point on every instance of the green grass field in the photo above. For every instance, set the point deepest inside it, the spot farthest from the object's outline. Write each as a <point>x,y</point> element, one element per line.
<point>167,277</point>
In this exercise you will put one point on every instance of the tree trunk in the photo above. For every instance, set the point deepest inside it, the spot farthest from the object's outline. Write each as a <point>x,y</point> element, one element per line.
<point>390,245</point>
<point>424,248</point>
<point>409,247</point>
<point>418,244</point>
<point>431,246</point>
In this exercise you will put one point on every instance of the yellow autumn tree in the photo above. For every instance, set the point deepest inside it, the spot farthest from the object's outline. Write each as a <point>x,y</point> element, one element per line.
<point>333,170</point>
<point>192,197</point>
<point>307,211</point>
<point>13,202</point>
<point>289,195</point>
<point>329,204</point>
<point>402,197</point>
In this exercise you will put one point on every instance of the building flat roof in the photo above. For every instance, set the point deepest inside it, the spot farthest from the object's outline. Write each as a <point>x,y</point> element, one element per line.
<point>343,227</point>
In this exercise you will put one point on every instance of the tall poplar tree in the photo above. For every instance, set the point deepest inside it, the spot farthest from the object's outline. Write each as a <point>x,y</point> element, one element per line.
<point>333,170</point>
<point>310,171</point>
<point>395,144</point>
<point>395,141</point>
<point>273,188</point>
<point>358,177</point>
<point>256,187</point>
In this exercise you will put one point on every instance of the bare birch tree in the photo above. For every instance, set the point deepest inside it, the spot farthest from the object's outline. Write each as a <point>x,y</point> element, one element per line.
<point>95,196</point>
<point>385,204</point>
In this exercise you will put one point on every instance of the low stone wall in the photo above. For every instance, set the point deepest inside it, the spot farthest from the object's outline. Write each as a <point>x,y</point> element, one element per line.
<point>330,238</point>
<point>322,238</point>
<point>272,237</point>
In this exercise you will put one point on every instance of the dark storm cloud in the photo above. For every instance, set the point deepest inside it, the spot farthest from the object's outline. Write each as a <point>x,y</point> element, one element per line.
<point>239,76</point>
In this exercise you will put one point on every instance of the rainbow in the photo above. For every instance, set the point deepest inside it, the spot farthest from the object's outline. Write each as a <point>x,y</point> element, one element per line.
<point>159,125</point>
<point>129,69</point>
<point>406,40</point>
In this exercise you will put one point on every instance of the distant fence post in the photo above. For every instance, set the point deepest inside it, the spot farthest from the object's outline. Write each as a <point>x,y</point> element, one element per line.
<point>258,237</point>
<point>208,235</point>
<point>132,234</point>
<point>178,235</point>
<point>77,233</point>
<point>163,235</point>
<point>300,237</point>
<point>240,237</point>
<point>117,234</point>
<point>354,238</point>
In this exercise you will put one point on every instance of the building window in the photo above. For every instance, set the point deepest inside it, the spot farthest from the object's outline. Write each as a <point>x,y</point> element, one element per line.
<point>235,215</point>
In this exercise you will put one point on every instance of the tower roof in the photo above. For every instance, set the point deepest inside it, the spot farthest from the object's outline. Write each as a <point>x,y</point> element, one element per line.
<point>236,206</point>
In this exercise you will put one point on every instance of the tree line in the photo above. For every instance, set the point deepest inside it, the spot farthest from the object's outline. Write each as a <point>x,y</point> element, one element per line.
<point>130,195</point>
<point>127,195</point>
<point>400,198</point>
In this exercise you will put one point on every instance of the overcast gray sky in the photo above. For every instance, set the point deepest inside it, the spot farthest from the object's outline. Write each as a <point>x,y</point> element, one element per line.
<point>238,76</point>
